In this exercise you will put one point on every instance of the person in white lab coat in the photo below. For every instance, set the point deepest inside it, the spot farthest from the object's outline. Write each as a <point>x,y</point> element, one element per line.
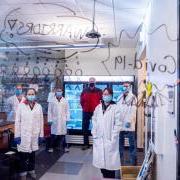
<point>13,102</point>
<point>128,106</point>
<point>106,126</point>
<point>58,115</point>
<point>29,132</point>
<point>51,95</point>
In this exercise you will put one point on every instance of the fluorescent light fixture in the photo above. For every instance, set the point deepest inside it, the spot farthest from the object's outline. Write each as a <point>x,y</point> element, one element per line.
<point>68,46</point>
<point>99,78</point>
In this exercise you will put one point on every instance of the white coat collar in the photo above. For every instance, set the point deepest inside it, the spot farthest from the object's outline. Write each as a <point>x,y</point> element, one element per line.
<point>61,100</point>
<point>128,99</point>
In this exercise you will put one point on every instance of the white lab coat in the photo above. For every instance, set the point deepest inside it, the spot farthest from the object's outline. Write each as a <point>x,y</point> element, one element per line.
<point>58,114</point>
<point>105,131</point>
<point>51,97</point>
<point>29,125</point>
<point>12,106</point>
<point>128,109</point>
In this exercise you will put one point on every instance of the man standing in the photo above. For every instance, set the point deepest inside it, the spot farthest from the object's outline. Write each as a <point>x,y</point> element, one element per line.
<point>90,98</point>
<point>127,105</point>
<point>13,103</point>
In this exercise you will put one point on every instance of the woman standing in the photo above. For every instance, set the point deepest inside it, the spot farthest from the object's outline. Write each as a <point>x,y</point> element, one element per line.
<point>28,133</point>
<point>106,127</point>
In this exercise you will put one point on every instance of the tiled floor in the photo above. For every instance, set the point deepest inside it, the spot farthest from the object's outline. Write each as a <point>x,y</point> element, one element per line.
<point>76,165</point>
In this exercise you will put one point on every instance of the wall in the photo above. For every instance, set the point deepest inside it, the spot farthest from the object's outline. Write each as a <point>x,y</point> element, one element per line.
<point>162,49</point>
<point>36,66</point>
<point>117,61</point>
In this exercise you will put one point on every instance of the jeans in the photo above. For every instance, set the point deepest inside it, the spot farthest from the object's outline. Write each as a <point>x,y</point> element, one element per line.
<point>27,162</point>
<point>132,146</point>
<point>85,126</point>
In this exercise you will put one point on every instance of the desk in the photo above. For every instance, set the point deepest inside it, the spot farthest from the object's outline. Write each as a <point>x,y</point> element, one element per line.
<point>4,138</point>
<point>4,125</point>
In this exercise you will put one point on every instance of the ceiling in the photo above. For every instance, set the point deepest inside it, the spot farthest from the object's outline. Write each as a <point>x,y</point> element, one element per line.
<point>59,22</point>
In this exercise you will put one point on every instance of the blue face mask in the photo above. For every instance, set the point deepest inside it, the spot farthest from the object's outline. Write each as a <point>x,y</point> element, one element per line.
<point>107,98</point>
<point>59,94</point>
<point>124,88</point>
<point>31,98</point>
<point>18,92</point>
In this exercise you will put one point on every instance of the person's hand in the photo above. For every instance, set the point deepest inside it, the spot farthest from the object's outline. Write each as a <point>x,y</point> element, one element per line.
<point>40,140</point>
<point>50,123</point>
<point>17,140</point>
<point>128,125</point>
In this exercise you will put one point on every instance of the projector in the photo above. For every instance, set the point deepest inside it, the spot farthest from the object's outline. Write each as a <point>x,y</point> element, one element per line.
<point>93,34</point>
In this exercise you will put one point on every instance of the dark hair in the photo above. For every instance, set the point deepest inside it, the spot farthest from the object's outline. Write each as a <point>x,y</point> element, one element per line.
<point>110,91</point>
<point>19,84</point>
<point>58,87</point>
<point>31,89</point>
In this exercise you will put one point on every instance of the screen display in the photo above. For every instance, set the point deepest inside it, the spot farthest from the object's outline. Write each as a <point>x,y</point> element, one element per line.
<point>72,94</point>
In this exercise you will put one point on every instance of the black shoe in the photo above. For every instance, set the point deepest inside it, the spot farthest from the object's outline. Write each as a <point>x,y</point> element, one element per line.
<point>85,148</point>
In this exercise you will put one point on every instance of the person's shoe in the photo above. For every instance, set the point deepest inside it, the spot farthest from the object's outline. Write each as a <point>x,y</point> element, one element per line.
<point>66,150</point>
<point>85,148</point>
<point>32,174</point>
<point>50,150</point>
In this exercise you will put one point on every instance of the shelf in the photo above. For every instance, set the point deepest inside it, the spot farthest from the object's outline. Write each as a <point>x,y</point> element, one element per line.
<point>75,109</point>
<point>73,99</point>
<point>74,120</point>
<point>67,90</point>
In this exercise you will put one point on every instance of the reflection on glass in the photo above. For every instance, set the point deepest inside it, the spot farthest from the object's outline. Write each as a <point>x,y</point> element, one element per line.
<point>101,86</point>
<point>72,94</point>
<point>117,91</point>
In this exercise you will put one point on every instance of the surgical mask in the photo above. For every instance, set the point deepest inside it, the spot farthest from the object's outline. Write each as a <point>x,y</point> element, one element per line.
<point>107,98</point>
<point>92,85</point>
<point>58,94</point>
<point>125,90</point>
<point>31,98</point>
<point>18,92</point>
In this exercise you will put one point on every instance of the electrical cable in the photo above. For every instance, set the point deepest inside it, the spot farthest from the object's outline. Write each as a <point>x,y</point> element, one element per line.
<point>114,18</point>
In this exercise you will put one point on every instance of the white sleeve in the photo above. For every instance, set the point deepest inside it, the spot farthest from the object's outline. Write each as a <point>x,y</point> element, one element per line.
<point>17,132</point>
<point>94,123</point>
<point>117,120</point>
<point>8,106</point>
<point>134,109</point>
<point>41,123</point>
<point>50,112</point>
<point>67,111</point>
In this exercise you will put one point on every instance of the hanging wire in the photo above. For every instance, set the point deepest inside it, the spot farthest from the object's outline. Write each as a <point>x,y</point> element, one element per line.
<point>114,18</point>
<point>94,9</point>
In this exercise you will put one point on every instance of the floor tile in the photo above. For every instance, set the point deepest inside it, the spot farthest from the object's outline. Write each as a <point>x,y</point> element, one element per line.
<point>66,168</point>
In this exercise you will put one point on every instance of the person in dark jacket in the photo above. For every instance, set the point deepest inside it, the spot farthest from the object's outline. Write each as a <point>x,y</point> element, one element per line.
<point>90,98</point>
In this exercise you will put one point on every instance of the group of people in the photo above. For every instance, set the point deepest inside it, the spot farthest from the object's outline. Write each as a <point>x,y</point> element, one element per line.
<point>111,122</point>
<point>27,114</point>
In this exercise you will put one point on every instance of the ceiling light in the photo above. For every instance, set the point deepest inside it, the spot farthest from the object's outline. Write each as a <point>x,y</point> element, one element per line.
<point>93,33</point>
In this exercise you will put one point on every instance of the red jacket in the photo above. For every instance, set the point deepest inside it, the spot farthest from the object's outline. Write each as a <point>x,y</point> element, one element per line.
<point>90,99</point>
